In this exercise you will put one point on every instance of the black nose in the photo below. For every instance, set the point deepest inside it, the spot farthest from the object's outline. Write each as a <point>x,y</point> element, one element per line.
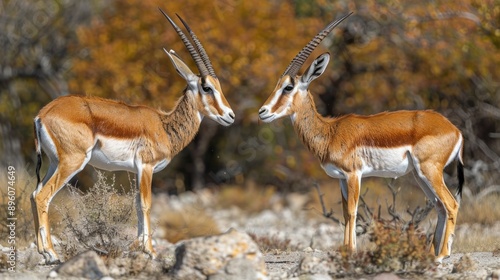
<point>231,115</point>
<point>262,111</point>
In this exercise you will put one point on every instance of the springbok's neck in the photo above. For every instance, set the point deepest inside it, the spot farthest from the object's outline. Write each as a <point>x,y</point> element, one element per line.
<point>182,123</point>
<point>313,129</point>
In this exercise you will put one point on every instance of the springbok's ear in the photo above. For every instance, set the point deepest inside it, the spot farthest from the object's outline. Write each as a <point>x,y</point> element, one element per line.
<point>181,67</point>
<point>315,69</point>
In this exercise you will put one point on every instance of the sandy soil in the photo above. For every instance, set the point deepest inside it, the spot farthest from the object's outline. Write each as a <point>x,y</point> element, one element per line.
<point>307,236</point>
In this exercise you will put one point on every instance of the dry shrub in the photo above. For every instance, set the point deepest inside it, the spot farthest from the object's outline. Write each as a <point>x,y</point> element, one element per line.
<point>24,185</point>
<point>250,198</point>
<point>398,250</point>
<point>271,243</point>
<point>100,220</point>
<point>375,191</point>
<point>398,244</point>
<point>330,199</point>
<point>187,223</point>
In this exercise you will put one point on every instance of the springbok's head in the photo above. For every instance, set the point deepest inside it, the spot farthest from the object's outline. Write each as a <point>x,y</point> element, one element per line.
<point>290,85</point>
<point>206,87</point>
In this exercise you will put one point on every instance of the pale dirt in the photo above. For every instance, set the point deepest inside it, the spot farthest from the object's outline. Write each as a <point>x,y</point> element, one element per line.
<point>306,235</point>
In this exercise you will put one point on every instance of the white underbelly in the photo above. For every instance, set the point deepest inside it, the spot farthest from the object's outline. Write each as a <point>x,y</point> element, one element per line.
<point>114,154</point>
<point>377,162</point>
<point>119,155</point>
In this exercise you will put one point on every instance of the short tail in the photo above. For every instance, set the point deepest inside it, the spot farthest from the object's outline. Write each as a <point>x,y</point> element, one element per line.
<point>38,148</point>
<point>461,180</point>
<point>460,173</point>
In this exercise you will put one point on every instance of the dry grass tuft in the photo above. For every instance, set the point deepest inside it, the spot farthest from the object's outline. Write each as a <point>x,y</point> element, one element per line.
<point>250,198</point>
<point>187,223</point>
<point>271,243</point>
<point>481,209</point>
<point>476,238</point>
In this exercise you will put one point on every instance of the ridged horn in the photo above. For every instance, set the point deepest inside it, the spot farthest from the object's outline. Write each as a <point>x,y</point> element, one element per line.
<point>194,54</point>
<point>302,56</point>
<point>199,47</point>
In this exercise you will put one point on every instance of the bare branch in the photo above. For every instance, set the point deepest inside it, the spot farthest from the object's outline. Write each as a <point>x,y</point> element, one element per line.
<point>449,15</point>
<point>326,214</point>
<point>419,214</point>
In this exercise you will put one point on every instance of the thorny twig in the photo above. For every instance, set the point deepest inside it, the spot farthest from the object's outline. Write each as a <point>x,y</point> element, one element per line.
<point>391,209</point>
<point>366,219</point>
<point>326,214</point>
<point>364,223</point>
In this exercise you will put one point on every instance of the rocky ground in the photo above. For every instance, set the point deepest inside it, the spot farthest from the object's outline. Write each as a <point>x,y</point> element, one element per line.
<point>304,247</point>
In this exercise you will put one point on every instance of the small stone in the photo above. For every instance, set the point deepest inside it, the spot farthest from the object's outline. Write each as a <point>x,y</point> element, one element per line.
<point>232,255</point>
<point>53,274</point>
<point>495,275</point>
<point>86,265</point>
<point>466,263</point>
<point>308,250</point>
<point>317,266</point>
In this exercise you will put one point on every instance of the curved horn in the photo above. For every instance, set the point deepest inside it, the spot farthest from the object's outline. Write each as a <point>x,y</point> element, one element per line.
<point>302,56</point>
<point>194,54</point>
<point>199,47</point>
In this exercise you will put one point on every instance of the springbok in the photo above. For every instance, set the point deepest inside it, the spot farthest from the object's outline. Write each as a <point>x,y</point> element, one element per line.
<point>388,145</point>
<point>74,131</point>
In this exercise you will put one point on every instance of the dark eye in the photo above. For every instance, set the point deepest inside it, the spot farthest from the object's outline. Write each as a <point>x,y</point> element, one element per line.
<point>207,89</point>
<point>289,88</point>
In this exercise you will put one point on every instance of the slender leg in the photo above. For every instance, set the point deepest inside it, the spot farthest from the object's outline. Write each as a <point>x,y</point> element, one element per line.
<point>345,212</point>
<point>50,172</point>
<point>143,201</point>
<point>42,196</point>
<point>447,208</point>
<point>431,179</point>
<point>350,206</point>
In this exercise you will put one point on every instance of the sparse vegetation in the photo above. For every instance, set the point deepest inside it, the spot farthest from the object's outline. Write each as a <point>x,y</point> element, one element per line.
<point>101,220</point>
<point>187,223</point>
<point>401,251</point>
<point>271,244</point>
<point>24,185</point>
<point>398,244</point>
<point>482,208</point>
